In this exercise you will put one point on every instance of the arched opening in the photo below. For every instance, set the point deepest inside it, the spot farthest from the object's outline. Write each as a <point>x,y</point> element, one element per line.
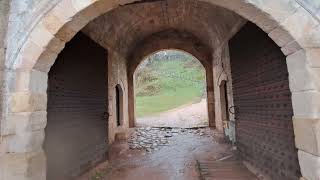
<point>170,91</point>
<point>28,68</point>
<point>77,128</point>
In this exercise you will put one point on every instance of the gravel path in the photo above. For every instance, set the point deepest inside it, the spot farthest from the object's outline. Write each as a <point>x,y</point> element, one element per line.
<point>187,116</point>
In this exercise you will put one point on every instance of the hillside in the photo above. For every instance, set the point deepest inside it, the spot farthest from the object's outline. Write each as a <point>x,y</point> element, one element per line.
<point>167,80</point>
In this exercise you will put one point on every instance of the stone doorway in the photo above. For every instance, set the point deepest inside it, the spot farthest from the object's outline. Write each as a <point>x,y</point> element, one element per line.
<point>264,129</point>
<point>77,129</point>
<point>31,46</point>
<point>170,91</point>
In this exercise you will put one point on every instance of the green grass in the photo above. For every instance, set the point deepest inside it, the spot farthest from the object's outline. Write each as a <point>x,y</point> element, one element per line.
<point>167,84</point>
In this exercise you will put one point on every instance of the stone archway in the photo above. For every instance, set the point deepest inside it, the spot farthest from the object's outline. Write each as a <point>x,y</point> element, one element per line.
<point>291,26</point>
<point>171,39</point>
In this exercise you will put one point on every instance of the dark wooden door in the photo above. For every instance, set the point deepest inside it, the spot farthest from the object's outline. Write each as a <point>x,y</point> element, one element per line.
<point>263,104</point>
<point>76,133</point>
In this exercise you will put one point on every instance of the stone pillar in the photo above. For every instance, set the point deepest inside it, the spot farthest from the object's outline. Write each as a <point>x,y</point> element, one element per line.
<point>131,99</point>
<point>22,126</point>
<point>210,95</point>
<point>304,77</point>
<point>217,74</point>
<point>117,75</point>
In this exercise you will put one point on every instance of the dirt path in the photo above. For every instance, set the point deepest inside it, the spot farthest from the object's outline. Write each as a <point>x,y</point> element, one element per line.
<point>187,116</point>
<point>188,156</point>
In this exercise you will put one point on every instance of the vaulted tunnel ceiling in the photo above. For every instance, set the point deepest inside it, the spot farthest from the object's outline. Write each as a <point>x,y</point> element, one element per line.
<point>125,27</point>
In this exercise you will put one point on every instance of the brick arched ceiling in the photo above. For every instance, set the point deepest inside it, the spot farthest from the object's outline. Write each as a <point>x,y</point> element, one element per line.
<point>170,39</point>
<point>123,28</point>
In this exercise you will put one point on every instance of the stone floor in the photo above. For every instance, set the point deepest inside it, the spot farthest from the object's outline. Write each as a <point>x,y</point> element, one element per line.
<point>172,154</point>
<point>152,139</point>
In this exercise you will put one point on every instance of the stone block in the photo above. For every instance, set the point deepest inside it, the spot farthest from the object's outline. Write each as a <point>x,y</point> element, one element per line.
<point>121,136</point>
<point>313,55</point>
<point>27,102</point>
<point>52,23</point>
<point>290,48</point>
<point>41,36</point>
<point>306,104</point>
<point>310,165</point>
<point>28,55</point>
<point>24,122</point>
<point>22,81</point>
<point>23,166</point>
<point>279,10</point>
<point>58,17</point>
<point>259,11</point>
<point>301,76</point>
<point>46,60</point>
<point>280,36</point>
<point>24,141</point>
<point>304,28</point>
<point>307,135</point>
<point>80,5</point>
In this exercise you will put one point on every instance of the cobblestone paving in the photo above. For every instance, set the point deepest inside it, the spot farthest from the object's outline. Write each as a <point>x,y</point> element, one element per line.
<point>152,139</point>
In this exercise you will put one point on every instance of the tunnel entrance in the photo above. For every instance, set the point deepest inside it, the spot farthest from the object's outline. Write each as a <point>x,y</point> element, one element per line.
<point>263,101</point>
<point>77,129</point>
<point>170,91</point>
<point>262,98</point>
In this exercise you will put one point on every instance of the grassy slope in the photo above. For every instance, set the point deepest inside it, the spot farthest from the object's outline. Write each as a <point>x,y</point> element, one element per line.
<point>178,82</point>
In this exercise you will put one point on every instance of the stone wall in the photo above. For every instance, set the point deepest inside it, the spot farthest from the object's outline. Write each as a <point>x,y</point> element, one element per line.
<point>117,74</point>
<point>4,10</point>
<point>126,26</point>
<point>4,13</point>
<point>24,15</point>
<point>312,5</point>
<point>292,27</point>
<point>222,72</point>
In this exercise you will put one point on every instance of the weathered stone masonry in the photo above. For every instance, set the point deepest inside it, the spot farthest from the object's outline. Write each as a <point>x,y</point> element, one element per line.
<point>38,30</point>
